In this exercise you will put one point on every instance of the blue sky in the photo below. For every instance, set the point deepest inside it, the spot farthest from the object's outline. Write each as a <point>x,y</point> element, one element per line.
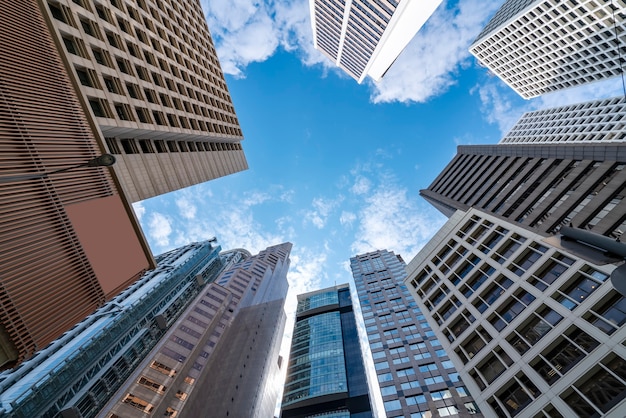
<point>336,167</point>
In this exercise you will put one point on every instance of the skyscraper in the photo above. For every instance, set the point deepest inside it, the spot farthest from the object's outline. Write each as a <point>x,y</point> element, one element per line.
<point>530,320</point>
<point>415,375</point>
<point>597,121</point>
<point>147,74</point>
<point>533,330</point>
<point>220,358</point>
<point>542,176</point>
<point>540,46</point>
<point>364,37</point>
<point>69,240</point>
<point>77,373</point>
<point>326,375</point>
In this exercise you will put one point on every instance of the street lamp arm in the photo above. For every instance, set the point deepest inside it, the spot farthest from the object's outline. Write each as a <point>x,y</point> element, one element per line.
<point>104,160</point>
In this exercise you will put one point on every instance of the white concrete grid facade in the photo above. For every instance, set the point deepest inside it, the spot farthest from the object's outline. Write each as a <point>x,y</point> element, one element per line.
<point>532,330</point>
<point>364,37</point>
<point>542,46</point>
<point>149,77</point>
<point>594,121</point>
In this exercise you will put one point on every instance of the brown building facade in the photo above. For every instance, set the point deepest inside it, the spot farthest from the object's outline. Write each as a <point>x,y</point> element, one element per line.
<point>150,76</point>
<point>69,241</point>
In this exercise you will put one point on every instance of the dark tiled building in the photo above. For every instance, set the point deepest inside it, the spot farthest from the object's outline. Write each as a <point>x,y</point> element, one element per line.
<point>539,186</point>
<point>326,375</point>
<point>416,377</point>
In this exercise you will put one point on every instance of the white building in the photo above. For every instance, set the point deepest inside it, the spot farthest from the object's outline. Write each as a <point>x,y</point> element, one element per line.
<point>364,37</point>
<point>533,330</point>
<point>584,123</point>
<point>542,46</point>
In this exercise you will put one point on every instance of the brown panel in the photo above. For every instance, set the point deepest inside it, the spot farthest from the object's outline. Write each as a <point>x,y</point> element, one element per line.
<point>109,241</point>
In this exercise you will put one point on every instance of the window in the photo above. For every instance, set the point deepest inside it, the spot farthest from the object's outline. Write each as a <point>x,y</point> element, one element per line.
<point>405,372</point>
<point>447,411</point>
<point>98,108</point>
<point>392,405</point>
<point>151,384</point>
<point>576,291</point>
<point>491,368</point>
<point>411,384</point>
<point>385,377</point>
<point>381,365</point>
<point>609,314</point>
<point>568,350</point>
<point>604,387</point>
<point>414,400</point>
<point>84,77</point>
<point>137,403</point>
<point>440,395</point>
<point>388,390</point>
<point>428,367</point>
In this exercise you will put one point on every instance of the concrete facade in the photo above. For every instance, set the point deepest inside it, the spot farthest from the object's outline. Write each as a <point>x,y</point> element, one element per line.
<point>533,330</point>
<point>148,75</point>
<point>540,46</point>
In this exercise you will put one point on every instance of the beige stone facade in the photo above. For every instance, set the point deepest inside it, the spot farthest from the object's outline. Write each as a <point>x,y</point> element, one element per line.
<point>149,75</point>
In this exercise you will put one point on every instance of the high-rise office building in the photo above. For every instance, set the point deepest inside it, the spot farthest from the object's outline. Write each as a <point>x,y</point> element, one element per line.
<point>326,375</point>
<point>582,123</point>
<point>415,375</point>
<point>69,240</point>
<point>533,330</point>
<point>147,74</point>
<point>364,37</point>
<point>540,46</point>
<point>221,357</point>
<point>548,178</point>
<point>76,374</point>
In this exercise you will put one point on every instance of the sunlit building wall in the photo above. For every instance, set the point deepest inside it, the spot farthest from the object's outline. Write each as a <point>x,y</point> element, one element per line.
<point>533,330</point>
<point>148,75</point>
<point>580,123</point>
<point>415,375</point>
<point>540,46</point>
<point>326,374</point>
<point>364,37</point>
<point>221,357</point>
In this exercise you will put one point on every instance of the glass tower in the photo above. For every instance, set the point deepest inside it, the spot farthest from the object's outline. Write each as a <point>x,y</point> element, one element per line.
<point>326,372</point>
<point>78,372</point>
<point>416,377</point>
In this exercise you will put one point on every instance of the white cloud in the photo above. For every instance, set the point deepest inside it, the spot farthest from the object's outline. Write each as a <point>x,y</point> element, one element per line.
<point>185,206</point>
<point>361,185</point>
<point>160,229</point>
<point>428,65</point>
<point>247,31</point>
<point>255,197</point>
<point>139,209</point>
<point>322,208</point>
<point>498,107</point>
<point>307,270</point>
<point>503,107</point>
<point>390,219</point>
<point>347,218</point>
